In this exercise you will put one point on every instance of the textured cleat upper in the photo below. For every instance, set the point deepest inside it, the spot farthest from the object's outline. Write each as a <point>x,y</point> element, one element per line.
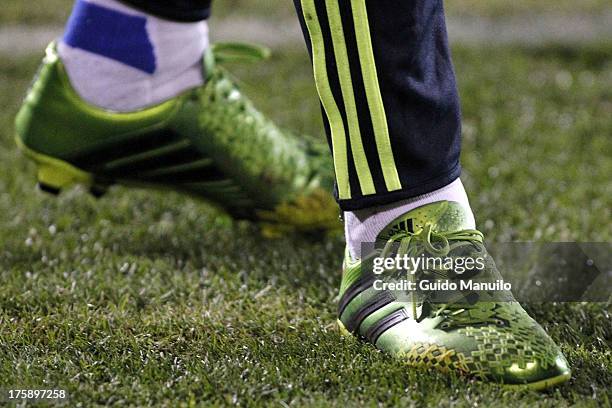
<point>209,141</point>
<point>481,333</point>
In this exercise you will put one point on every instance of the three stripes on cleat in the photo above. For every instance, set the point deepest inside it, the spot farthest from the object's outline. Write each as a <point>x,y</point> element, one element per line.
<point>158,157</point>
<point>376,301</point>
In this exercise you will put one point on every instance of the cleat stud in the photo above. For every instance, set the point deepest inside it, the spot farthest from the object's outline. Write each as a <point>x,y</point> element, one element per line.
<point>48,189</point>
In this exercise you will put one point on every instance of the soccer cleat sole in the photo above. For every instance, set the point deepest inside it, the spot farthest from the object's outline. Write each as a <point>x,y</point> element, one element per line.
<point>535,386</point>
<point>542,384</point>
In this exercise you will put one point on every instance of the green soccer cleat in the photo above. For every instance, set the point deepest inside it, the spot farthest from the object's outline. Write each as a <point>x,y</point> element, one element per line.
<point>210,142</point>
<point>479,333</point>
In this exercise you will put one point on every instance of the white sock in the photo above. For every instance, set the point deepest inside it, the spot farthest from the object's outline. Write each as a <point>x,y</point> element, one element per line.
<point>364,225</point>
<point>122,59</point>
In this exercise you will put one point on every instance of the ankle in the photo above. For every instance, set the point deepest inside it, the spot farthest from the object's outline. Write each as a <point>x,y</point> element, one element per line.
<point>122,59</point>
<point>364,225</point>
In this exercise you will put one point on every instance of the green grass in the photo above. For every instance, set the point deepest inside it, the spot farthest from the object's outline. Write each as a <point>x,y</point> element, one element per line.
<point>56,11</point>
<point>149,298</point>
<point>504,8</point>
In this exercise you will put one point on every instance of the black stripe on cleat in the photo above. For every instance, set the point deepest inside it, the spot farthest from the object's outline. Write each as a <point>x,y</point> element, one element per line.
<point>378,301</point>
<point>385,324</point>
<point>48,189</point>
<point>363,283</point>
<point>95,159</point>
<point>157,161</point>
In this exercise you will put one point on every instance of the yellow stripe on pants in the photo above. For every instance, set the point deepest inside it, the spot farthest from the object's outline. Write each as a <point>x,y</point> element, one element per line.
<point>336,124</point>
<point>346,84</point>
<point>375,103</point>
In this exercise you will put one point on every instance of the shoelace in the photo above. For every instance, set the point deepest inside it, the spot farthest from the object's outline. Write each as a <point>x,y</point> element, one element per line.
<point>233,51</point>
<point>436,243</point>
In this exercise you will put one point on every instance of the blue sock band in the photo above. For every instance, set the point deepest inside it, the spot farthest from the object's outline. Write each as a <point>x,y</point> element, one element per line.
<point>112,34</point>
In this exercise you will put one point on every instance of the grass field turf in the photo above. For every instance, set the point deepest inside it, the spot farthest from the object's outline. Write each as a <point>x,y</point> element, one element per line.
<point>150,298</point>
<point>56,11</point>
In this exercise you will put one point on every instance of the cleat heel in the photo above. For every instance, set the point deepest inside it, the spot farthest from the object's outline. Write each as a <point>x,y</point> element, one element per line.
<point>54,174</point>
<point>53,179</point>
